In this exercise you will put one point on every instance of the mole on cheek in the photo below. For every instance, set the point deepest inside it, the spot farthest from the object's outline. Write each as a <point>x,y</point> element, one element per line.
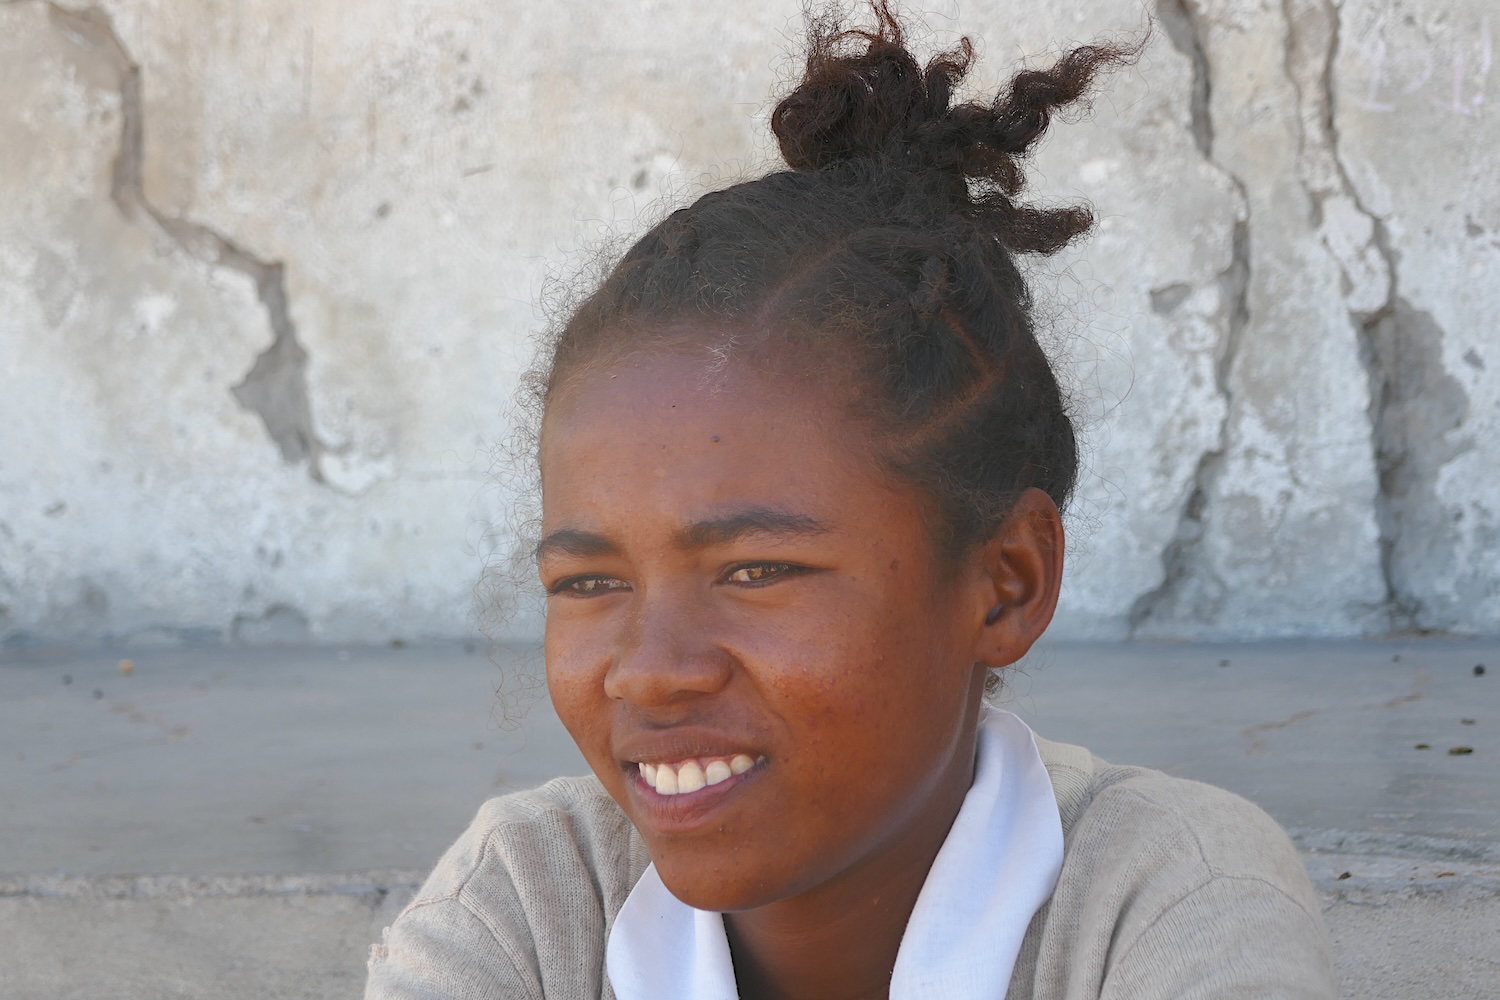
<point>714,439</point>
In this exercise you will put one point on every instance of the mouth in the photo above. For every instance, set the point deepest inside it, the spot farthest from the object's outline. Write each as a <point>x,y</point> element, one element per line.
<point>693,774</point>
<point>681,796</point>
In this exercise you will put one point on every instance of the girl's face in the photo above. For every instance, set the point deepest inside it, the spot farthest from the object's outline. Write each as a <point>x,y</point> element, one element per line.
<point>741,602</point>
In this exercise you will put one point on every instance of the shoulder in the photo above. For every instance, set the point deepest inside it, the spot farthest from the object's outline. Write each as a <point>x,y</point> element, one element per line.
<point>1170,886</point>
<point>522,902</point>
<point>1164,823</point>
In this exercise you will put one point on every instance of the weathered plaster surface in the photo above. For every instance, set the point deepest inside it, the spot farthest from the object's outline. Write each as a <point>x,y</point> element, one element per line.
<point>1418,91</point>
<point>268,272</point>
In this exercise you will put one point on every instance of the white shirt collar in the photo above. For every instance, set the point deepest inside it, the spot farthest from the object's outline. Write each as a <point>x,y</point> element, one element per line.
<point>997,867</point>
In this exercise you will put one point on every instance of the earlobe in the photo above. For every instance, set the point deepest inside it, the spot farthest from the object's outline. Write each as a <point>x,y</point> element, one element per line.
<point>1022,567</point>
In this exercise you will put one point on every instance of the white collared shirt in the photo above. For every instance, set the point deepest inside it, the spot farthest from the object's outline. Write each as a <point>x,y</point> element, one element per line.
<point>996,868</point>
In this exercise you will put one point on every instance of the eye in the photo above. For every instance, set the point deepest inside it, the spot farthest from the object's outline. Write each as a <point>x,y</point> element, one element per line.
<point>587,586</point>
<point>752,574</point>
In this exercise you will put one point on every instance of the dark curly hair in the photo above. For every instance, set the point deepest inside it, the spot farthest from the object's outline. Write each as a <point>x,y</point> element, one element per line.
<point>889,241</point>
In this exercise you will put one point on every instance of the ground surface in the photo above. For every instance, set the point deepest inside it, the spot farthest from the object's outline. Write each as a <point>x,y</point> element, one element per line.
<point>241,824</point>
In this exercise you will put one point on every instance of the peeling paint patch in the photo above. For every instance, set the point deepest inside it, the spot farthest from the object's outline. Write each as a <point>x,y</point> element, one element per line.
<point>1415,406</point>
<point>281,625</point>
<point>276,387</point>
<point>56,289</point>
<point>1164,301</point>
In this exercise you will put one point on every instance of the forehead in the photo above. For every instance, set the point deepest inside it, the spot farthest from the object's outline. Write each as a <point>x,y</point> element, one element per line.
<point>687,432</point>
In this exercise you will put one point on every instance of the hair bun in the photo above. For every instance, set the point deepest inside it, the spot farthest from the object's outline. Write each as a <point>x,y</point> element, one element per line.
<point>862,101</point>
<point>864,96</point>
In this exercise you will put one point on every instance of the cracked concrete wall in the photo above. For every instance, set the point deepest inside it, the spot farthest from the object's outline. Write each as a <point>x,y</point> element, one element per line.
<point>268,272</point>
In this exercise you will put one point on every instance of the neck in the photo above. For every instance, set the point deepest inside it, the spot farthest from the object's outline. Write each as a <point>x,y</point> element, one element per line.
<point>839,941</point>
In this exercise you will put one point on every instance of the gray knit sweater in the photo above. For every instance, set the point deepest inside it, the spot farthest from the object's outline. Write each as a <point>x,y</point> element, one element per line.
<point>1169,889</point>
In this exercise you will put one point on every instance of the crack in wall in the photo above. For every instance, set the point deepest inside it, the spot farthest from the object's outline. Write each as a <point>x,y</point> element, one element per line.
<point>1182,31</point>
<point>1181,558</point>
<point>1414,402</point>
<point>275,388</point>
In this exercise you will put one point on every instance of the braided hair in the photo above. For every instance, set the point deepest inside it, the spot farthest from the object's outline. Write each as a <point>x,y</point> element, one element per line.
<point>885,253</point>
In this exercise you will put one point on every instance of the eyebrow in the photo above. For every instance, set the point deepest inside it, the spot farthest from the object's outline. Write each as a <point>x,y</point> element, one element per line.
<point>763,522</point>
<point>576,543</point>
<point>756,521</point>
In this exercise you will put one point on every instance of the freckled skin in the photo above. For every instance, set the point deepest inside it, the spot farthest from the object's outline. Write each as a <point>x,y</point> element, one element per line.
<point>850,658</point>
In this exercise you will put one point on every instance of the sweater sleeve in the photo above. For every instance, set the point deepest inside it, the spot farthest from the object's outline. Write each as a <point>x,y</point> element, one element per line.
<point>519,907</point>
<point>1231,938</point>
<point>440,950</point>
<point>1215,901</point>
<point>1172,890</point>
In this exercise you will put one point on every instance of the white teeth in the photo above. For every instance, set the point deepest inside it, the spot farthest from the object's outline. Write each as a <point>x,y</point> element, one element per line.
<point>691,775</point>
<point>690,778</point>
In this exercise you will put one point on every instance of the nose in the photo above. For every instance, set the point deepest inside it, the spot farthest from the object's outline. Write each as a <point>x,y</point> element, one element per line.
<point>666,654</point>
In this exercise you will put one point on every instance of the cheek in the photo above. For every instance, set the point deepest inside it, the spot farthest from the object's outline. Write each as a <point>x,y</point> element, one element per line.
<point>575,683</point>
<point>857,656</point>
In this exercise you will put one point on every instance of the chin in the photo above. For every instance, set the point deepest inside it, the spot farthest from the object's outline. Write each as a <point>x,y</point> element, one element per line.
<point>708,886</point>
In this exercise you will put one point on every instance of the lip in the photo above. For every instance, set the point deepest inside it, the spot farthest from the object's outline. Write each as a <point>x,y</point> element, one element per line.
<point>682,813</point>
<point>656,746</point>
<point>667,814</point>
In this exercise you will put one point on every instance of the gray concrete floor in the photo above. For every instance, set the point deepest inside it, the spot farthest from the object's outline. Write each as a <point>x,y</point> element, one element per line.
<point>238,823</point>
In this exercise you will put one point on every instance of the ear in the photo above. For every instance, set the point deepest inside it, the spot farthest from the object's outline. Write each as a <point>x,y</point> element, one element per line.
<point>1022,573</point>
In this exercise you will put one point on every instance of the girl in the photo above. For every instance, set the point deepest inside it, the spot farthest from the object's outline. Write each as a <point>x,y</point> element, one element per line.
<point>802,460</point>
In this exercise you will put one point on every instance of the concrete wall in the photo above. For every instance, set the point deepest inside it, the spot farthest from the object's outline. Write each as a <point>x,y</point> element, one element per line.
<point>268,270</point>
